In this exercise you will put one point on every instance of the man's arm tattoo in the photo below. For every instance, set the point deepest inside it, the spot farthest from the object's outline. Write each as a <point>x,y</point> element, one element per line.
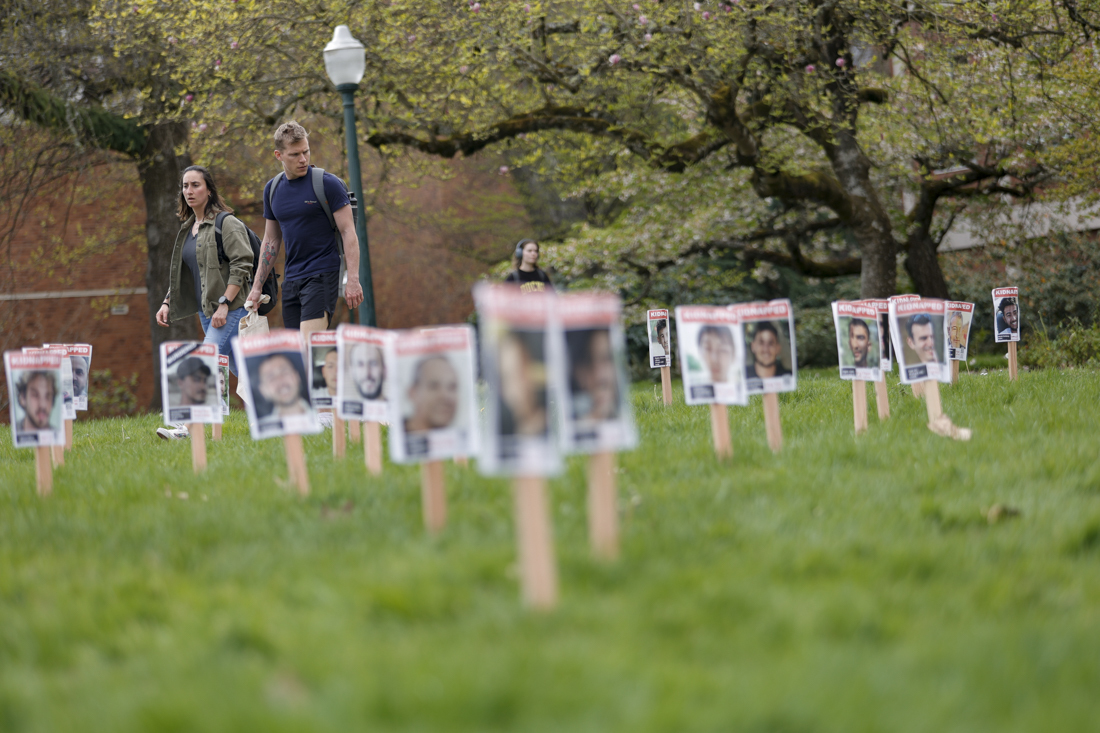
<point>268,252</point>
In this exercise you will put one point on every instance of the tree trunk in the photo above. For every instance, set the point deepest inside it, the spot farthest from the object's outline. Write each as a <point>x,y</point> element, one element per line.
<point>923,266</point>
<point>160,170</point>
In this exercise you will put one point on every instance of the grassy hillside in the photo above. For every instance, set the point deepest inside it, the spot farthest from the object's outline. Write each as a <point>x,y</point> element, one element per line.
<point>844,585</point>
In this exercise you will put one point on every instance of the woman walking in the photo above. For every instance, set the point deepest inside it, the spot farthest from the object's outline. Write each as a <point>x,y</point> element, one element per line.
<point>526,271</point>
<point>201,279</point>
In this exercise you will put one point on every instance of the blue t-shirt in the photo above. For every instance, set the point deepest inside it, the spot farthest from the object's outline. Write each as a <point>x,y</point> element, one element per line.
<point>310,241</point>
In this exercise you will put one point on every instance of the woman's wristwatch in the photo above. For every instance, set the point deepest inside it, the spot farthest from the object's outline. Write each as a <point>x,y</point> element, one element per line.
<point>223,301</point>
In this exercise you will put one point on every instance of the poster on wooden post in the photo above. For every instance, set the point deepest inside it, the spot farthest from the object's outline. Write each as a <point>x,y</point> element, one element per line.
<point>1006,309</point>
<point>272,368</point>
<point>433,403</point>
<point>36,407</point>
<point>520,359</point>
<point>771,363</point>
<point>324,369</point>
<point>223,383</point>
<point>858,340</point>
<point>68,405</point>
<point>920,340</point>
<point>660,338</point>
<point>885,346</point>
<point>80,364</point>
<point>362,373</point>
<point>712,358</point>
<point>959,317</point>
<point>188,386</point>
<point>596,416</point>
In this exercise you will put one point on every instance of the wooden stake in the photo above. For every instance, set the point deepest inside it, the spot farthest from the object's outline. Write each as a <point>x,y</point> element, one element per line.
<point>353,431</point>
<point>918,389</point>
<point>1013,374</point>
<point>216,431</point>
<point>433,496</point>
<point>538,570</point>
<point>339,437</point>
<point>43,471</point>
<point>771,422</point>
<point>720,430</point>
<point>954,372</point>
<point>603,515</point>
<point>198,446</point>
<point>882,396</point>
<point>462,461</point>
<point>68,435</point>
<point>57,453</point>
<point>296,462</point>
<point>859,404</point>
<point>932,399</point>
<point>666,384</point>
<point>372,447</point>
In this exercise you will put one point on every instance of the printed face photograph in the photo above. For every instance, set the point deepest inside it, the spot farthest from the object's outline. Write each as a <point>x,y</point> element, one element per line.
<point>325,362</point>
<point>522,366</point>
<point>767,349</point>
<point>958,328</point>
<point>366,372</point>
<point>1008,316</point>
<point>80,375</point>
<point>193,384</point>
<point>433,395</point>
<point>859,341</point>
<point>593,377</point>
<point>922,338</point>
<point>717,352</point>
<point>39,401</point>
<point>279,384</point>
<point>659,337</point>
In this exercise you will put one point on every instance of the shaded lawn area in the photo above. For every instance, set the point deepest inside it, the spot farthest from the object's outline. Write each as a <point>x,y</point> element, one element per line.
<point>843,585</point>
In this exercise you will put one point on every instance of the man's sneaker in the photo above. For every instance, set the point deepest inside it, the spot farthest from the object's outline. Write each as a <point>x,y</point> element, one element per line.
<point>177,433</point>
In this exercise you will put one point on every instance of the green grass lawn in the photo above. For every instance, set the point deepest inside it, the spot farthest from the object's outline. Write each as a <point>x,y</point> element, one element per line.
<point>844,585</point>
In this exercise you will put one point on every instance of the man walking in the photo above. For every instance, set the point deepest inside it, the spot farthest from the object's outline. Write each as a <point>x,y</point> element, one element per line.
<point>295,216</point>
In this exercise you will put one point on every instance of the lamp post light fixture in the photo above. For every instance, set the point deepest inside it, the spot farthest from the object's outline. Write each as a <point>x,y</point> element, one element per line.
<point>345,63</point>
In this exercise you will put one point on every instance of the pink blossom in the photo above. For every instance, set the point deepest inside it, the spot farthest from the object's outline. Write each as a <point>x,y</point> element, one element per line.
<point>648,36</point>
<point>463,69</point>
<point>217,62</point>
<point>706,15</point>
<point>412,38</point>
<point>527,8</point>
<point>636,6</point>
<point>233,44</point>
<point>840,63</point>
<point>189,97</point>
<point>202,127</point>
<point>172,40</point>
<point>615,58</point>
<point>642,20</point>
<point>476,7</point>
<point>503,170</point>
<point>810,68</point>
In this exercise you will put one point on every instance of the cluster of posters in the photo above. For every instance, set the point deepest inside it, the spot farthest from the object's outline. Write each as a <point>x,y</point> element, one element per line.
<point>556,372</point>
<point>728,353</point>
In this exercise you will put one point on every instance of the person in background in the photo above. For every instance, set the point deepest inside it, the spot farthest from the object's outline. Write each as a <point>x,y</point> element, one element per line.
<point>200,282</point>
<point>526,271</point>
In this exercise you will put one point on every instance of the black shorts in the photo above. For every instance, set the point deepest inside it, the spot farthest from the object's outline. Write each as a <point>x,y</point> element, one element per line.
<point>309,298</point>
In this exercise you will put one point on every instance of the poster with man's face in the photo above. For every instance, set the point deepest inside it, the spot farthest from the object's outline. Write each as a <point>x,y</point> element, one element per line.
<point>189,382</point>
<point>712,358</point>
<point>363,375</point>
<point>80,364</point>
<point>324,367</point>
<point>922,352</point>
<point>596,416</point>
<point>895,339</point>
<point>858,340</point>
<point>68,405</point>
<point>520,342</point>
<point>771,364</point>
<point>885,347</point>
<point>272,367</point>
<point>1006,310</point>
<point>34,396</point>
<point>959,316</point>
<point>223,382</point>
<point>660,339</point>
<point>433,404</point>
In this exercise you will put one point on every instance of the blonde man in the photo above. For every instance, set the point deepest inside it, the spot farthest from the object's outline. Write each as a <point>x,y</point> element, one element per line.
<point>297,219</point>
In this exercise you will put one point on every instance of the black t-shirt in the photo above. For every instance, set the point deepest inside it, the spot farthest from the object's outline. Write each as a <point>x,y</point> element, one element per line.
<point>191,260</point>
<point>530,282</point>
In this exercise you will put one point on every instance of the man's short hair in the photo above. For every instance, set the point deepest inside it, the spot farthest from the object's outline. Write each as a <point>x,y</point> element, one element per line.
<point>27,377</point>
<point>192,365</point>
<point>1005,302</point>
<point>861,323</point>
<point>288,134</point>
<point>722,333</point>
<point>921,319</point>
<point>662,325</point>
<point>766,326</point>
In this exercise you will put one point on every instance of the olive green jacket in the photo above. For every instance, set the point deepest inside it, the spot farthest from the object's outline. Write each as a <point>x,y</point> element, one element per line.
<point>214,276</point>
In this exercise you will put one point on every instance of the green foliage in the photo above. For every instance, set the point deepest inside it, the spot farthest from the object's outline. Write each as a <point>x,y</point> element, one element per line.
<point>111,397</point>
<point>843,585</point>
<point>1075,345</point>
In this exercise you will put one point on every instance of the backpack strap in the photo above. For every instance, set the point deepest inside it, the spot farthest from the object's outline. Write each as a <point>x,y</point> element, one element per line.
<point>318,180</point>
<point>269,191</point>
<point>218,235</point>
